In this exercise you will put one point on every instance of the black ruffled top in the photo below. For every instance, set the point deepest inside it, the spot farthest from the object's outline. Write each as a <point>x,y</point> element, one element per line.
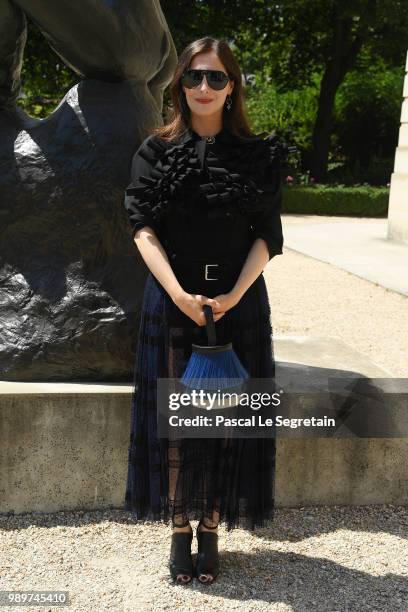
<point>209,196</point>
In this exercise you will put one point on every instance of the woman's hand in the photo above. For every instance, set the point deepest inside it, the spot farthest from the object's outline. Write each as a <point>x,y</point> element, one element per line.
<point>192,306</point>
<point>226,301</point>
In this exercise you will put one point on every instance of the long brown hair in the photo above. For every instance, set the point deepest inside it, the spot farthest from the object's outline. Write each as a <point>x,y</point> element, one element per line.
<point>235,120</point>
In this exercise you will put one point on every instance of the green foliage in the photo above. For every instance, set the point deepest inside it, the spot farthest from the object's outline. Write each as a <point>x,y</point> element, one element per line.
<point>292,113</point>
<point>367,112</point>
<point>363,201</point>
<point>44,76</point>
<point>377,172</point>
<point>366,123</point>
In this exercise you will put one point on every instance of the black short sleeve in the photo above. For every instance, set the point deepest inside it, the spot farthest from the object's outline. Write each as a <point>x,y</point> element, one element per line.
<point>139,201</point>
<point>267,223</point>
<point>272,166</point>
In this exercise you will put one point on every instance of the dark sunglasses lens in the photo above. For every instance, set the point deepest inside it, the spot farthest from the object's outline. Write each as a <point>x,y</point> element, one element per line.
<point>216,78</point>
<point>191,78</point>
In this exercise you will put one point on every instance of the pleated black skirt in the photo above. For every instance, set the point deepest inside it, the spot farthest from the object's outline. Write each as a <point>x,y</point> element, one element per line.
<point>192,478</point>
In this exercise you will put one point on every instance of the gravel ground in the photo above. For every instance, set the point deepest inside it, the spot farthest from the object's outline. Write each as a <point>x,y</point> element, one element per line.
<point>308,559</point>
<point>333,559</point>
<point>311,297</point>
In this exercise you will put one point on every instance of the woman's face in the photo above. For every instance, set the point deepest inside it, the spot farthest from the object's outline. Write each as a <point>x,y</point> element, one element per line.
<point>207,61</point>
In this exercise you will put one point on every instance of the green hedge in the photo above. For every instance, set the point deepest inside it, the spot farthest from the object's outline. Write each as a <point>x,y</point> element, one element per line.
<point>361,201</point>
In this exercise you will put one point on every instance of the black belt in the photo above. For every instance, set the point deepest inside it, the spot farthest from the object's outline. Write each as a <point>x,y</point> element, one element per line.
<point>207,275</point>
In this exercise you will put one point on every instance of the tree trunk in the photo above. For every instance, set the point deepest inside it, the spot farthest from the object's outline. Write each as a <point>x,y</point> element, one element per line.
<point>342,59</point>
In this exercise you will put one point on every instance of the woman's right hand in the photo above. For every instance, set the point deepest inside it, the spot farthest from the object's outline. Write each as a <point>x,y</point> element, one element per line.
<point>192,306</point>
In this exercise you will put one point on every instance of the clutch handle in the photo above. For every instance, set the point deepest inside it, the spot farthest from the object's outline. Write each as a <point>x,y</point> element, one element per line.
<point>210,324</point>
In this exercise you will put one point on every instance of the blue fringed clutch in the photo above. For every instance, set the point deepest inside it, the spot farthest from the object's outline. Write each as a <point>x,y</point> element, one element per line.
<point>214,368</point>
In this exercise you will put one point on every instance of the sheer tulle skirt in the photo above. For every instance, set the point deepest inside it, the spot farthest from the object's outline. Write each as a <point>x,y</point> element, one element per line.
<point>191,478</point>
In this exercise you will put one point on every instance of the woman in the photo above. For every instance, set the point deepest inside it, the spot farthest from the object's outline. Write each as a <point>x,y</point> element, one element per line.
<point>205,192</point>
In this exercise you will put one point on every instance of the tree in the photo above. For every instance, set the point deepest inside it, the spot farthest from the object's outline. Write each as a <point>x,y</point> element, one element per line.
<point>298,37</point>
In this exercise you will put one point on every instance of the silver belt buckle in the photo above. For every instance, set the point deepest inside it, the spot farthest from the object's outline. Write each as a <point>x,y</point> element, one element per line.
<point>206,272</point>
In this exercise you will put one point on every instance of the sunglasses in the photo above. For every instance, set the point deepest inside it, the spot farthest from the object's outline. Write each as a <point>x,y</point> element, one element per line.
<point>216,79</point>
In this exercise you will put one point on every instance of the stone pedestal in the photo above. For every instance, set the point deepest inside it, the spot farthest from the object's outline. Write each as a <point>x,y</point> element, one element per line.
<point>398,205</point>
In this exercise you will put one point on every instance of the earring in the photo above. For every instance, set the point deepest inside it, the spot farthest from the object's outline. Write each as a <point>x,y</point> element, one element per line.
<point>228,102</point>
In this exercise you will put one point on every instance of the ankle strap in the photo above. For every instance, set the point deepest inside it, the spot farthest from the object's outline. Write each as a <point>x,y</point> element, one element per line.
<point>187,522</point>
<point>206,526</point>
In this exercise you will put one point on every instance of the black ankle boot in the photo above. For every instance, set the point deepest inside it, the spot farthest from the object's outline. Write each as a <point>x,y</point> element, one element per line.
<point>180,555</point>
<point>207,556</point>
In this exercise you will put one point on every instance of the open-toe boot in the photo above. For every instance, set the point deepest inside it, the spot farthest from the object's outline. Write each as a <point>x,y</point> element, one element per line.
<point>207,563</point>
<point>181,563</point>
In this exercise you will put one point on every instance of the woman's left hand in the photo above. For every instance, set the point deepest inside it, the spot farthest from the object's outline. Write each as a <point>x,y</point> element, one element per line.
<point>227,301</point>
